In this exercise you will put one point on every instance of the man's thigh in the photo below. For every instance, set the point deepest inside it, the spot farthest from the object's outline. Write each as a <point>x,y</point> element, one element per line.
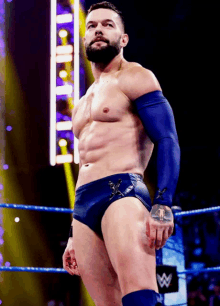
<point>124,232</point>
<point>95,268</point>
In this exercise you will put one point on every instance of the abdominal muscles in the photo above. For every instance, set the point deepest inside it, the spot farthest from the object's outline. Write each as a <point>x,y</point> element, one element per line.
<point>107,148</point>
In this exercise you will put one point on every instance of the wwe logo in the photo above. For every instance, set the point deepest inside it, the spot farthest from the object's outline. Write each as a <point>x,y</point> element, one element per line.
<point>164,280</point>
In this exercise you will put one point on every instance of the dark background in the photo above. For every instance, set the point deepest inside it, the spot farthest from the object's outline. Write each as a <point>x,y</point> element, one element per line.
<point>177,40</point>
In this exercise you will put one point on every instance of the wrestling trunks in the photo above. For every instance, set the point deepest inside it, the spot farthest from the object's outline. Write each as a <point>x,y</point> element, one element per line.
<point>94,198</point>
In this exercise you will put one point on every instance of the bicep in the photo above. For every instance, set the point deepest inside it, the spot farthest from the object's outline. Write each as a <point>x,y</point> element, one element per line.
<point>156,115</point>
<point>138,81</point>
<point>160,121</point>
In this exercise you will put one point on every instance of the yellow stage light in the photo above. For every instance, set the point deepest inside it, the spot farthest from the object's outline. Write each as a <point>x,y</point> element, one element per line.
<point>62,142</point>
<point>63,74</point>
<point>63,33</point>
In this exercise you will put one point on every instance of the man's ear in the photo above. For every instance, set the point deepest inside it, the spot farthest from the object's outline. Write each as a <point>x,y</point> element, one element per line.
<point>125,39</point>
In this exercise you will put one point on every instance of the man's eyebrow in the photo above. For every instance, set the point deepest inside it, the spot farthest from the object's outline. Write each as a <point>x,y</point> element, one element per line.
<point>91,21</point>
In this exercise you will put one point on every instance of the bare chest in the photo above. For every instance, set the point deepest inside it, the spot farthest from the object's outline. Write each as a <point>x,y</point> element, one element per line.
<point>103,102</point>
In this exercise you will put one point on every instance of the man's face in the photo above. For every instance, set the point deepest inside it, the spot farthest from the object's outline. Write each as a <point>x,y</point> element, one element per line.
<point>103,25</point>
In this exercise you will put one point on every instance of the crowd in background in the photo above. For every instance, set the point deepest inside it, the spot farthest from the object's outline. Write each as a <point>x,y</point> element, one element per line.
<point>201,235</point>
<point>204,291</point>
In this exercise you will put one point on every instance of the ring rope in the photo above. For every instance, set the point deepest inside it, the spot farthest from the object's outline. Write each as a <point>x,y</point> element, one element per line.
<point>195,271</point>
<point>197,211</point>
<point>38,208</point>
<point>59,270</point>
<point>32,269</point>
<point>67,210</point>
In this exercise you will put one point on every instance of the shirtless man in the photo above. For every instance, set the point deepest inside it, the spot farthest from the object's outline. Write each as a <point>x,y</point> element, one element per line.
<point>119,120</point>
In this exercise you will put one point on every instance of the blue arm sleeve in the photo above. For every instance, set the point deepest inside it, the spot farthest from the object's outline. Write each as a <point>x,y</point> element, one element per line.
<point>157,118</point>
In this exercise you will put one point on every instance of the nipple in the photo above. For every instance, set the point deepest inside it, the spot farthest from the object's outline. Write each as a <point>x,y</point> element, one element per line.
<point>106,110</point>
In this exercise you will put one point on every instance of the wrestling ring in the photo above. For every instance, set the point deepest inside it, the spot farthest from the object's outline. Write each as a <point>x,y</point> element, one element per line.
<point>177,215</point>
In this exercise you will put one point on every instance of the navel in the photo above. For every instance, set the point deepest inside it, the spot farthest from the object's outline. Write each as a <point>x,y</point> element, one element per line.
<point>106,110</point>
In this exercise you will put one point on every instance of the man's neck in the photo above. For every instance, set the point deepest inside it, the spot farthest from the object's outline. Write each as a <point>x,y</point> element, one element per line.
<point>100,69</point>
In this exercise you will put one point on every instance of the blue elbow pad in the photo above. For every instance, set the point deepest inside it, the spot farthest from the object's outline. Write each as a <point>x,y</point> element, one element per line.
<point>157,118</point>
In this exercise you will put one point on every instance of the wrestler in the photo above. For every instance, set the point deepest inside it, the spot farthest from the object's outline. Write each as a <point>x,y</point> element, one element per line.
<point>119,121</point>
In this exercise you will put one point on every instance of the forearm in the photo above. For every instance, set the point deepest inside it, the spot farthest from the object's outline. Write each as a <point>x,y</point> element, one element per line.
<point>168,166</point>
<point>157,117</point>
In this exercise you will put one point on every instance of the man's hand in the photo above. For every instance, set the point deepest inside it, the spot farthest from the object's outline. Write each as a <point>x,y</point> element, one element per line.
<point>69,260</point>
<point>160,226</point>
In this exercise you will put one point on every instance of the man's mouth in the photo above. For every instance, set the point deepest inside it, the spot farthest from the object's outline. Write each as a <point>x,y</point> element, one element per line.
<point>99,39</point>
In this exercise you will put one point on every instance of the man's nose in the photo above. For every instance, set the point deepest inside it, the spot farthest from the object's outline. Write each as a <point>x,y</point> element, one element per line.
<point>98,29</point>
<point>98,32</point>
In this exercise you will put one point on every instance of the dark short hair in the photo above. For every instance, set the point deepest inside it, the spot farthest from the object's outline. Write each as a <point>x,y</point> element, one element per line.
<point>107,5</point>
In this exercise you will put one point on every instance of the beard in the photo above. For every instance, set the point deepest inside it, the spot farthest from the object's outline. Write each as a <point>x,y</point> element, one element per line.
<point>103,54</point>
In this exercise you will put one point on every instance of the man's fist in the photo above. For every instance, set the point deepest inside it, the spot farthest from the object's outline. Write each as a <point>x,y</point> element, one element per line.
<point>69,260</point>
<point>160,226</point>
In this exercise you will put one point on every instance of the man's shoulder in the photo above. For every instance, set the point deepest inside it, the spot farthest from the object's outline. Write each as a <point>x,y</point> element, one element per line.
<point>135,80</point>
<point>132,64</point>
<point>135,70</point>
